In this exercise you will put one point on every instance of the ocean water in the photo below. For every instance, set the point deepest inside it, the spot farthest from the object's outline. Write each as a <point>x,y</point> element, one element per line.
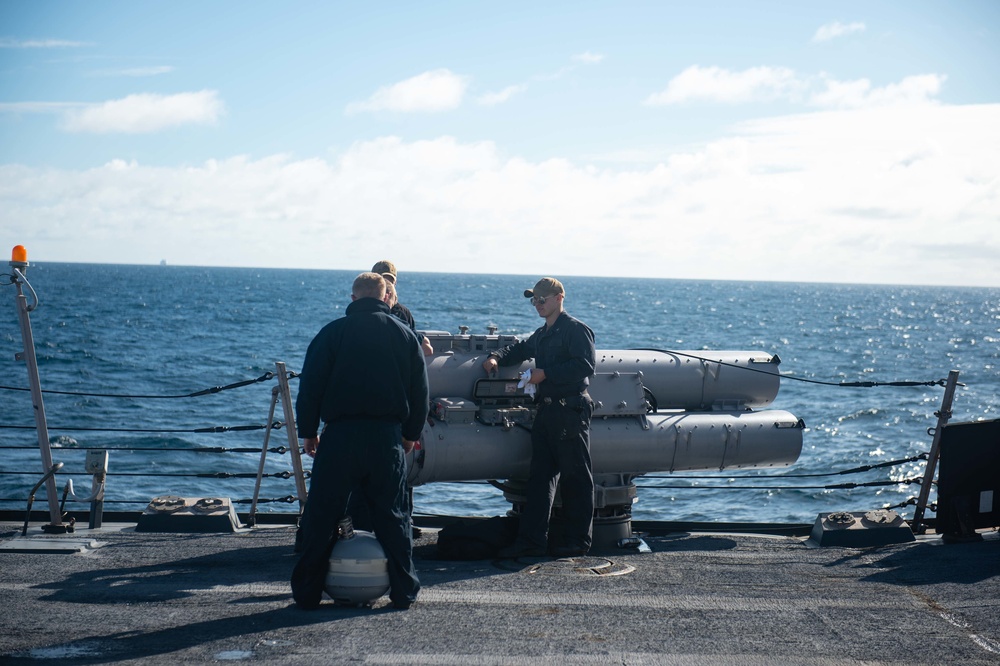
<point>173,330</point>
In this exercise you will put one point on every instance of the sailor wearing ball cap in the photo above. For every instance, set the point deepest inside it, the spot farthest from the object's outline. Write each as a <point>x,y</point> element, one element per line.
<point>387,270</point>
<point>565,358</point>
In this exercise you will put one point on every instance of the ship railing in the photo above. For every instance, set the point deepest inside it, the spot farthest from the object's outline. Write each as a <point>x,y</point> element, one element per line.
<point>179,469</point>
<point>97,458</point>
<point>153,462</point>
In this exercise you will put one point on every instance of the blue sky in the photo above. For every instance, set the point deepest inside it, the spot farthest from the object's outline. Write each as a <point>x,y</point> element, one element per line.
<point>829,142</point>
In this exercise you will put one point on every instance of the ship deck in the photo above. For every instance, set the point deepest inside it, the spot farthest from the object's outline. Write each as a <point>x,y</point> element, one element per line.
<point>697,598</point>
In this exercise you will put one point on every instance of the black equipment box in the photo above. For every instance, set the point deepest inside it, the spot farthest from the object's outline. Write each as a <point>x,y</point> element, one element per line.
<point>969,478</point>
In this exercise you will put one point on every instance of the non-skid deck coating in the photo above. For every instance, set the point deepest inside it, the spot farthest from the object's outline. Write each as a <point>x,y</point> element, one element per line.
<point>698,598</point>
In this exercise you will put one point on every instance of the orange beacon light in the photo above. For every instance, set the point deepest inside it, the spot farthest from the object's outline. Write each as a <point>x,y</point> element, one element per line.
<point>19,256</point>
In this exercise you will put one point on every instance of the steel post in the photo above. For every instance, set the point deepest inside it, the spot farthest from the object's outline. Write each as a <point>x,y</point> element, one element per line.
<point>28,356</point>
<point>293,437</point>
<point>925,488</point>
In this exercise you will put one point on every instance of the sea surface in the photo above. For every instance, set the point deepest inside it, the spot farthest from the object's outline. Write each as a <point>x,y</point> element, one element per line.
<point>174,330</point>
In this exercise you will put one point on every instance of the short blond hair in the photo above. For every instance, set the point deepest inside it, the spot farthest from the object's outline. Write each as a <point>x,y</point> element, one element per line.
<point>369,285</point>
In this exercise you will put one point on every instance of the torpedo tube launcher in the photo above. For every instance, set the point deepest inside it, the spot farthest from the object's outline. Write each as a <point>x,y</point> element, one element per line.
<point>654,411</point>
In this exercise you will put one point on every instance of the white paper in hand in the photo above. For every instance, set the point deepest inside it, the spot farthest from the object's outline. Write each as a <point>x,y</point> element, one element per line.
<point>529,389</point>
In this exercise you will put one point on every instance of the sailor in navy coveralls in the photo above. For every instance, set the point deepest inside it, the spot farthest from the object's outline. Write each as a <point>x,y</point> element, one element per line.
<point>565,358</point>
<point>364,376</point>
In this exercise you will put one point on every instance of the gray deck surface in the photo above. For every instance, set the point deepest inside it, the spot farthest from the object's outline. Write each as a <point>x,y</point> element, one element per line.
<point>698,598</point>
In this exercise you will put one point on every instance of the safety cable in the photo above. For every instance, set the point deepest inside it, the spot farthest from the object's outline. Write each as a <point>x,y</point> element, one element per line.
<point>287,499</point>
<point>835,486</point>
<point>853,470</point>
<point>214,475</point>
<point>207,449</point>
<point>291,499</point>
<point>866,384</point>
<point>215,389</point>
<point>194,475</point>
<point>277,425</point>
<point>912,501</point>
<point>293,375</point>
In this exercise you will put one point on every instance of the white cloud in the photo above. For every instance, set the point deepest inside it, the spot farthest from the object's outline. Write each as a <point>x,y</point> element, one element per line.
<point>39,107</point>
<point>837,29</point>
<point>143,113</point>
<point>588,57</point>
<point>436,90</point>
<point>860,94</point>
<point>492,99</point>
<point>40,43</point>
<point>723,85</point>
<point>720,85</point>
<point>850,196</point>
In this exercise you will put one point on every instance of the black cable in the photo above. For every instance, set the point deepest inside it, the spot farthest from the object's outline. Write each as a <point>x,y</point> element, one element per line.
<point>215,389</point>
<point>197,475</point>
<point>854,470</point>
<point>206,449</point>
<point>212,475</point>
<point>287,499</point>
<point>277,425</point>
<point>913,501</point>
<point>836,486</point>
<point>867,384</point>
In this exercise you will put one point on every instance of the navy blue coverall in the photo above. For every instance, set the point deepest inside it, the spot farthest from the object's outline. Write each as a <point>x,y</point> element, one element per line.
<point>560,434</point>
<point>364,376</point>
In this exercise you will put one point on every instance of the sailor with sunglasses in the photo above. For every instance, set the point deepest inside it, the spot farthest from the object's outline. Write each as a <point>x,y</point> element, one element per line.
<point>565,358</point>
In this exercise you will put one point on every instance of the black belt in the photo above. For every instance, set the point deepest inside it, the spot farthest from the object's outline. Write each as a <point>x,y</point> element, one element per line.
<point>565,402</point>
<point>380,419</point>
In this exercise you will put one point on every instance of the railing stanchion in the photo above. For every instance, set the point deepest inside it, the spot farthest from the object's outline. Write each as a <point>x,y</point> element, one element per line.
<point>925,488</point>
<point>263,456</point>
<point>293,435</point>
